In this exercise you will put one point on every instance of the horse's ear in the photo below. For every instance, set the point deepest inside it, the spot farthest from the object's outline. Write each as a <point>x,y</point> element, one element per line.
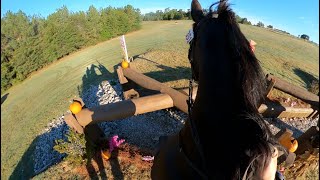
<point>196,11</point>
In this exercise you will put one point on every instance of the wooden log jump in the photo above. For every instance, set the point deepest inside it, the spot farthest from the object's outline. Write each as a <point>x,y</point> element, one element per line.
<point>168,98</point>
<point>295,91</point>
<point>86,120</point>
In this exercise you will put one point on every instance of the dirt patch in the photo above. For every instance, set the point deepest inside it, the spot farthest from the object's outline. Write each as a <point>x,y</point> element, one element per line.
<point>125,163</point>
<point>290,102</point>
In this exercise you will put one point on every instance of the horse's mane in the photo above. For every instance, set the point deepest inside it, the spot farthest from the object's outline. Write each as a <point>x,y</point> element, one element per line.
<point>251,79</point>
<point>250,85</point>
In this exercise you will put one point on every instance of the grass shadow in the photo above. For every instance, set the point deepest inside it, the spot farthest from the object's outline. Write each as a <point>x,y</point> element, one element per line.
<point>143,58</point>
<point>4,97</point>
<point>25,167</point>
<point>140,56</point>
<point>166,74</point>
<point>39,156</point>
<point>306,77</point>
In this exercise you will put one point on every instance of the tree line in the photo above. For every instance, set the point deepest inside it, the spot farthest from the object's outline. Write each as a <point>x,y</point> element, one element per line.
<point>175,14</point>
<point>29,43</point>
<point>167,14</point>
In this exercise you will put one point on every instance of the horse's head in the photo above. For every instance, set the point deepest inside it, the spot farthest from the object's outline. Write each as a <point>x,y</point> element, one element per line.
<point>231,89</point>
<point>221,54</point>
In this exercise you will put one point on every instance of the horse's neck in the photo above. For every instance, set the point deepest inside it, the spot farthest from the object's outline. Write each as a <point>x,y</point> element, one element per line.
<point>217,97</point>
<point>212,112</point>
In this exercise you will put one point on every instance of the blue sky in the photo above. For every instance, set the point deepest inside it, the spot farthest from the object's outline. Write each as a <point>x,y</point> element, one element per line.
<point>296,17</point>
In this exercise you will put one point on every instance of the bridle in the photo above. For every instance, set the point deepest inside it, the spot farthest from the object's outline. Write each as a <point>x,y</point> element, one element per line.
<point>194,133</point>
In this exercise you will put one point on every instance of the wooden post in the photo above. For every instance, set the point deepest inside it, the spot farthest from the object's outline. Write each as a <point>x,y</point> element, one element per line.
<point>128,91</point>
<point>93,133</point>
<point>313,114</point>
<point>290,157</point>
<point>304,139</point>
<point>270,87</point>
<point>179,99</point>
<point>295,91</point>
<point>121,77</point>
<point>282,132</point>
<point>279,111</point>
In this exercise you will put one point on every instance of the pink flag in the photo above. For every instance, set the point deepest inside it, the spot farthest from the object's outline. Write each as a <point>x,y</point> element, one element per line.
<point>114,143</point>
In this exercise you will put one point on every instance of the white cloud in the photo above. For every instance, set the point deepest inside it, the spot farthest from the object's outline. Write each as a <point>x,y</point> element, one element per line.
<point>301,17</point>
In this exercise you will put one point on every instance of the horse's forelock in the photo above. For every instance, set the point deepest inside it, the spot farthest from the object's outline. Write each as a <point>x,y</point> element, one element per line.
<point>251,75</point>
<point>224,11</point>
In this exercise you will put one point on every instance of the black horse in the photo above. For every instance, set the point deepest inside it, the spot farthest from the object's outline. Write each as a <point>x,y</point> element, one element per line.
<point>225,137</point>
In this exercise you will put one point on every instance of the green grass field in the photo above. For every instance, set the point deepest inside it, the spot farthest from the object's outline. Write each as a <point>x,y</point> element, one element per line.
<point>46,94</point>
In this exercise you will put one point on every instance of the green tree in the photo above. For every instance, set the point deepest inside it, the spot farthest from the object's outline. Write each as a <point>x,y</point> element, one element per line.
<point>30,43</point>
<point>304,36</point>
<point>260,24</point>
<point>270,26</point>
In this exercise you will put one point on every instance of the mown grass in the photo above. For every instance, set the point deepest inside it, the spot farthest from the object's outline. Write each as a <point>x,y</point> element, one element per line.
<point>287,57</point>
<point>163,56</point>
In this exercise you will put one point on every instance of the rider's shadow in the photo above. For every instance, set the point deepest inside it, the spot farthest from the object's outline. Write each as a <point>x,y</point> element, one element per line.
<point>96,165</point>
<point>91,80</point>
<point>90,93</point>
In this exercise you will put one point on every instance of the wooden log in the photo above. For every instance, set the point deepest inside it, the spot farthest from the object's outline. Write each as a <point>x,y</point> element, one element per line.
<point>278,111</point>
<point>93,133</point>
<point>179,99</point>
<point>169,98</point>
<point>295,91</point>
<point>118,110</point>
<point>128,91</point>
